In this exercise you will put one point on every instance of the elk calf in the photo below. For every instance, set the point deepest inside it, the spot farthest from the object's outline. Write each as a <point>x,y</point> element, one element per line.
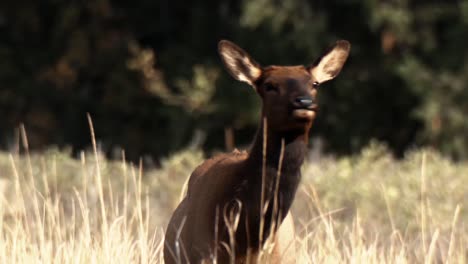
<point>235,202</point>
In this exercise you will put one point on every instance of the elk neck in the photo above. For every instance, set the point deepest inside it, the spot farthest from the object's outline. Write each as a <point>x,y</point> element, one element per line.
<point>295,150</point>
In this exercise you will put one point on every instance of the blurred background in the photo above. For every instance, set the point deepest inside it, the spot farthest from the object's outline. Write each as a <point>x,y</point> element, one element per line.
<point>149,74</point>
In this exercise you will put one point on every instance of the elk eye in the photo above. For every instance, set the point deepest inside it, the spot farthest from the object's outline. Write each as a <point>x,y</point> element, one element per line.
<point>269,87</point>
<point>316,84</point>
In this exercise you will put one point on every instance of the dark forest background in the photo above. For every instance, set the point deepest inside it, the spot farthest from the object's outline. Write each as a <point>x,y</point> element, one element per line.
<point>148,72</point>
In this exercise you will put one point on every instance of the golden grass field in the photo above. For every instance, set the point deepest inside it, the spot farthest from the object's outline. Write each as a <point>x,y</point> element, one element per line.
<point>367,208</point>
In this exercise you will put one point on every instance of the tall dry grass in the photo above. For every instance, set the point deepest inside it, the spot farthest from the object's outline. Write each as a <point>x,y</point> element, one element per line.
<point>368,208</point>
<point>57,210</point>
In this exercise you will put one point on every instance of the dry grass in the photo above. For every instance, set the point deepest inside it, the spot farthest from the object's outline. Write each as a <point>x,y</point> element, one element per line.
<point>367,208</point>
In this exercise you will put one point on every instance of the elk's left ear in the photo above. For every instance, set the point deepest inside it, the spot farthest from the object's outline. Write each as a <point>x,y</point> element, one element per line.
<point>329,65</point>
<point>238,62</point>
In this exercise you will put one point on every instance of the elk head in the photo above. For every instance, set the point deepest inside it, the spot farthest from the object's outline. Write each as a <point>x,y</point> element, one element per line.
<point>289,93</point>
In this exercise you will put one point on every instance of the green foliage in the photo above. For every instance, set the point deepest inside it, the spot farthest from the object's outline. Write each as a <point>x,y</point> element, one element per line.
<point>149,74</point>
<point>388,193</point>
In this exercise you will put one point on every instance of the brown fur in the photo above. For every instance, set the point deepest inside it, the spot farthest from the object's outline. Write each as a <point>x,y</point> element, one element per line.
<point>220,217</point>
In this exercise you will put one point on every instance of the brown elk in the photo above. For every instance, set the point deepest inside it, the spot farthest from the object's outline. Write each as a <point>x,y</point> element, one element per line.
<point>236,202</point>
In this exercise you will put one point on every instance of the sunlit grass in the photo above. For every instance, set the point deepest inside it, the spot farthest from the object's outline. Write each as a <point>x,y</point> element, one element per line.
<point>368,208</point>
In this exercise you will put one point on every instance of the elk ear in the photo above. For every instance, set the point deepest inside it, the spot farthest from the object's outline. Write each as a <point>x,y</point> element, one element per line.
<point>329,65</point>
<point>238,63</point>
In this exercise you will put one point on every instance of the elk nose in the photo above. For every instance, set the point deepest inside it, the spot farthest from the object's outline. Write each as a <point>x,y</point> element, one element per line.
<point>303,101</point>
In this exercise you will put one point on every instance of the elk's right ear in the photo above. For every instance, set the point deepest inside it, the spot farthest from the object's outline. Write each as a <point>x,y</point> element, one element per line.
<point>238,63</point>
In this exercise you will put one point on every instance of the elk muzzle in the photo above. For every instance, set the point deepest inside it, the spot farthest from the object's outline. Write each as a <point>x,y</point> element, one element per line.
<point>304,107</point>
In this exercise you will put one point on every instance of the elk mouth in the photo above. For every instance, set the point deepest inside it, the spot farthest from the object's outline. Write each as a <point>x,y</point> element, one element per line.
<point>305,113</point>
